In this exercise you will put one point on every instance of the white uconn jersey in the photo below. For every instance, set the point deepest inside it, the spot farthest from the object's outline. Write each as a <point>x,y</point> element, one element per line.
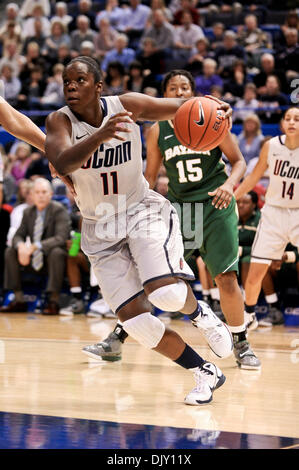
<point>283,164</point>
<point>111,180</point>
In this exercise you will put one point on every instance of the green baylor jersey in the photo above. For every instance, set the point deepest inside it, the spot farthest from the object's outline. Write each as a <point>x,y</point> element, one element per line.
<point>191,174</point>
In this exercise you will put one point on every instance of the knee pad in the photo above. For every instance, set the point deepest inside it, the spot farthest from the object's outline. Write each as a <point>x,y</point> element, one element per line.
<point>146,329</point>
<point>170,298</point>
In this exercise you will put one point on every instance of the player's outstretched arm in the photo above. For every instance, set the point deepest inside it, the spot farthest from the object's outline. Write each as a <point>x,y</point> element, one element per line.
<point>21,126</point>
<point>153,155</point>
<point>251,180</point>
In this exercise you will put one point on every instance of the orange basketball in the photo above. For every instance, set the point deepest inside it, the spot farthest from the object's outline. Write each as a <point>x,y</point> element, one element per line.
<point>198,124</point>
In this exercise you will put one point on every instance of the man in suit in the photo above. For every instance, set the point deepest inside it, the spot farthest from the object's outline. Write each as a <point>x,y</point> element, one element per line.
<point>38,245</point>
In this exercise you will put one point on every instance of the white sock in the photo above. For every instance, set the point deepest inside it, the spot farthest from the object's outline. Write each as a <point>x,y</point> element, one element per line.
<point>76,290</point>
<point>215,293</point>
<point>237,329</point>
<point>206,292</point>
<point>272,298</point>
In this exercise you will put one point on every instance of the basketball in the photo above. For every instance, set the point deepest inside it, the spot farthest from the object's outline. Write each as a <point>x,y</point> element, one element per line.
<point>198,124</point>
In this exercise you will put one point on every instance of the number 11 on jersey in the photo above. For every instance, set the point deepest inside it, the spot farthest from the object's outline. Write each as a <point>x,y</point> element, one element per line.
<point>106,186</point>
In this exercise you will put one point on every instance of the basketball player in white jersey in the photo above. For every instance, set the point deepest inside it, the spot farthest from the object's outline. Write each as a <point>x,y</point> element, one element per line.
<point>130,233</point>
<point>279,222</point>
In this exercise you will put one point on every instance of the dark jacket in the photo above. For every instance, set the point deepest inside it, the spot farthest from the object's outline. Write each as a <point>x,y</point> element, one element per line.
<point>56,227</point>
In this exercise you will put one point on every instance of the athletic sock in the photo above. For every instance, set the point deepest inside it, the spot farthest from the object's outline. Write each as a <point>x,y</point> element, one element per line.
<point>195,314</point>
<point>250,308</point>
<point>214,291</point>
<point>76,292</point>
<point>189,359</point>
<point>272,300</point>
<point>120,332</point>
<point>238,333</point>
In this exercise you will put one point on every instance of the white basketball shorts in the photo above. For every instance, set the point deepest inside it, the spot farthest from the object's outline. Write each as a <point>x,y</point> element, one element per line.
<point>135,247</point>
<point>277,227</point>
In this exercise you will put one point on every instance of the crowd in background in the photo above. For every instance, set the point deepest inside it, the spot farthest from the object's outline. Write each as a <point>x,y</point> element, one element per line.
<point>234,51</point>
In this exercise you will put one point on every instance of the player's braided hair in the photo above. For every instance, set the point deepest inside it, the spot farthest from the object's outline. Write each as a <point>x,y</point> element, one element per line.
<point>92,64</point>
<point>174,73</point>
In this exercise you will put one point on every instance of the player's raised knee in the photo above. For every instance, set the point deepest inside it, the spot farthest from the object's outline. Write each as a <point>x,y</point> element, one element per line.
<point>170,298</point>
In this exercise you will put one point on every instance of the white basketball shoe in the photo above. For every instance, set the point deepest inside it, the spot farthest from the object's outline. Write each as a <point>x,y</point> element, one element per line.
<point>208,378</point>
<point>217,334</point>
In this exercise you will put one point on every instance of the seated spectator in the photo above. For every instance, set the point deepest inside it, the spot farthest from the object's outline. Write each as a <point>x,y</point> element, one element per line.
<point>20,161</point>
<point>162,32</point>
<point>82,33</point>
<point>39,246</point>
<point>31,60</point>
<point>159,5</point>
<point>287,57</point>
<point>151,59</point>
<point>24,200</point>
<point>28,5</point>
<point>253,39</point>
<point>227,54</point>
<point>28,25</point>
<point>12,85</point>
<point>186,5</point>
<point>120,53</point>
<point>267,67</point>
<point>113,13</point>
<point>38,168</point>
<point>53,97</point>
<point>186,36</point>
<point>32,90</point>
<point>4,221</point>
<point>11,15</point>
<point>251,137</point>
<point>115,79</point>
<point>234,85</point>
<point>61,14</point>
<point>133,21</point>
<point>246,105</point>
<point>291,21</point>
<point>105,39</point>
<point>208,78</point>
<point>57,37</point>
<point>198,55</point>
<point>63,55</point>
<point>11,32</point>
<point>134,81</point>
<point>12,57</point>
<point>217,35</point>
<point>217,91</point>
<point>274,100</point>
<point>39,37</point>
<point>84,7</point>
<point>87,48</point>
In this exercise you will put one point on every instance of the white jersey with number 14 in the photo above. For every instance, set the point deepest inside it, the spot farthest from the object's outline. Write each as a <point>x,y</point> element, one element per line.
<point>283,164</point>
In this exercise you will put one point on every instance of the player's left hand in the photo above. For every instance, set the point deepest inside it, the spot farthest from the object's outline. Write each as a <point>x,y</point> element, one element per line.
<point>228,112</point>
<point>222,196</point>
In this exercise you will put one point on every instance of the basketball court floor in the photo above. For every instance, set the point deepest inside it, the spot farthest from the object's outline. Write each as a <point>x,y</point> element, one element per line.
<point>52,396</point>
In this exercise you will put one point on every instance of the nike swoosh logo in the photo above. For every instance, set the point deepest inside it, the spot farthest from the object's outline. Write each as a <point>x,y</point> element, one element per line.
<point>201,116</point>
<point>168,136</point>
<point>80,137</point>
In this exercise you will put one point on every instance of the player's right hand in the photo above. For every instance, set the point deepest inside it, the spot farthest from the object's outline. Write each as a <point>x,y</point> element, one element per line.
<point>115,125</point>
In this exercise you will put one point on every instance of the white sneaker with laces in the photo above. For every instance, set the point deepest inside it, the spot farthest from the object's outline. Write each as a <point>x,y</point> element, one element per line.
<point>217,334</point>
<point>208,377</point>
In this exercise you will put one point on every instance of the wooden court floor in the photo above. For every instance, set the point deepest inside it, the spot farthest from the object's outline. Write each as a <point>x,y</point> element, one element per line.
<point>43,372</point>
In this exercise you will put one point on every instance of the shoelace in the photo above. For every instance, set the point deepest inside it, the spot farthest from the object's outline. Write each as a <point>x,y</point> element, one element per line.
<point>200,379</point>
